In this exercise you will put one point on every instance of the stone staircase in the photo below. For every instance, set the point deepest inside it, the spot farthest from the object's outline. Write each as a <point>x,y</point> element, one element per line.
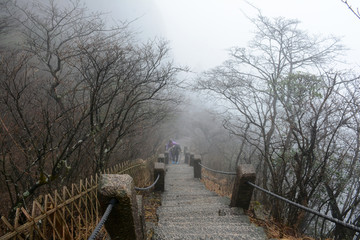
<point>190,211</point>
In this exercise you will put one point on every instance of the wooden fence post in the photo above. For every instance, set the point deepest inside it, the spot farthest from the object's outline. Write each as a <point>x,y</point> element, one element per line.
<point>242,191</point>
<point>124,221</point>
<point>159,168</point>
<point>197,167</point>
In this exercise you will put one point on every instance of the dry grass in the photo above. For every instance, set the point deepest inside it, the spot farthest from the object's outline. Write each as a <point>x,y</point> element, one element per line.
<point>221,184</point>
<point>152,201</point>
<point>275,230</point>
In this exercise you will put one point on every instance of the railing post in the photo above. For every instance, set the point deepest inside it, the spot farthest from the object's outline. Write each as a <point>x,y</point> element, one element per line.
<point>159,168</point>
<point>185,153</point>
<point>187,157</point>
<point>166,157</point>
<point>242,191</point>
<point>197,167</point>
<point>191,162</point>
<point>124,221</point>
<point>161,158</point>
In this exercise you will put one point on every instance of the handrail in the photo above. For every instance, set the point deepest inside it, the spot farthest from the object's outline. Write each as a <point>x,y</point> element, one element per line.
<point>147,188</point>
<point>110,206</point>
<point>217,171</point>
<point>337,221</point>
<point>98,227</point>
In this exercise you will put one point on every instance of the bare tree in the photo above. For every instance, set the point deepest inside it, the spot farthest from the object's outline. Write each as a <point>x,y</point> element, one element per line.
<point>3,19</point>
<point>126,89</point>
<point>6,24</point>
<point>281,102</point>
<point>342,149</point>
<point>73,91</point>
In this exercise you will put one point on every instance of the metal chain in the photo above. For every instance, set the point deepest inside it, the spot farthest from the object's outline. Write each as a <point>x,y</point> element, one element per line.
<point>112,202</point>
<point>216,171</point>
<point>98,227</point>
<point>337,221</point>
<point>147,188</point>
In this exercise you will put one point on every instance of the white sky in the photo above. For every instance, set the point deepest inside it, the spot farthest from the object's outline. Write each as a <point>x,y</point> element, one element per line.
<point>200,31</point>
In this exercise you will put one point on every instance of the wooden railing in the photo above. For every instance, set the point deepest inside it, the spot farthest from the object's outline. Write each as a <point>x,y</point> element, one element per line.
<point>73,212</point>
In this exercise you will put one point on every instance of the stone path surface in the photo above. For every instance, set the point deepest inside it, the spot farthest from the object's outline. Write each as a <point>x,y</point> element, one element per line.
<point>190,211</point>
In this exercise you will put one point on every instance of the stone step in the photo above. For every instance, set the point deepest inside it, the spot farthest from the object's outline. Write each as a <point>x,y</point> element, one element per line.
<point>180,175</point>
<point>203,200</point>
<point>184,211</point>
<point>171,196</point>
<point>209,219</point>
<point>190,211</point>
<point>191,183</point>
<point>218,236</point>
<point>204,226</point>
<point>200,210</point>
<point>209,231</point>
<point>191,192</point>
<point>190,187</point>
<point>177,179</point>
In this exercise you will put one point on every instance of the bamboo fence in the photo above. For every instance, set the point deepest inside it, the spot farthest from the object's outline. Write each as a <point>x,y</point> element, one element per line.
<point>71,213</point>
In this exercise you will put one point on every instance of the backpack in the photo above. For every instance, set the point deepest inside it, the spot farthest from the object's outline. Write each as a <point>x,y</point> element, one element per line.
<point>176,149</point>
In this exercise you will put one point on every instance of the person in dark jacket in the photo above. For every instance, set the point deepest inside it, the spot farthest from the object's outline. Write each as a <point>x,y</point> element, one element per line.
<point>175,152</point>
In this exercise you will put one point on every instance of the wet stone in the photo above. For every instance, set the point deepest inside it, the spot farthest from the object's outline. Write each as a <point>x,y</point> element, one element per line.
<point>124,222</point>
<point>190,211</point>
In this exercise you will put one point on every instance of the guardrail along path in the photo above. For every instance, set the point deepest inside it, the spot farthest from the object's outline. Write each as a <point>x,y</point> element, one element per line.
<point>190,211</point>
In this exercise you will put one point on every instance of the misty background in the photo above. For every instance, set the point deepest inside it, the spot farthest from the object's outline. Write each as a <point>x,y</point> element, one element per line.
<point>200,32</point>
<point>87,84</point>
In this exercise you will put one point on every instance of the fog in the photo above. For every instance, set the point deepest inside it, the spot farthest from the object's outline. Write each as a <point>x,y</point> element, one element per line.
<point>113,95</point>
<point>200,32</point>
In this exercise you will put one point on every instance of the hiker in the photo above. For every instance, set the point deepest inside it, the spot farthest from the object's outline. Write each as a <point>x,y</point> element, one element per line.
<point>169,147</point>
<point>175,152</point>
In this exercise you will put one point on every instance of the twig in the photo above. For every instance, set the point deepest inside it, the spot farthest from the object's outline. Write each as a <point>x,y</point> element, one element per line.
<point>356,13</point>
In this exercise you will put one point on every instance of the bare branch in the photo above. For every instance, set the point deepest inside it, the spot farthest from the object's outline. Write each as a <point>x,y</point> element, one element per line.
<point>355,12</point>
